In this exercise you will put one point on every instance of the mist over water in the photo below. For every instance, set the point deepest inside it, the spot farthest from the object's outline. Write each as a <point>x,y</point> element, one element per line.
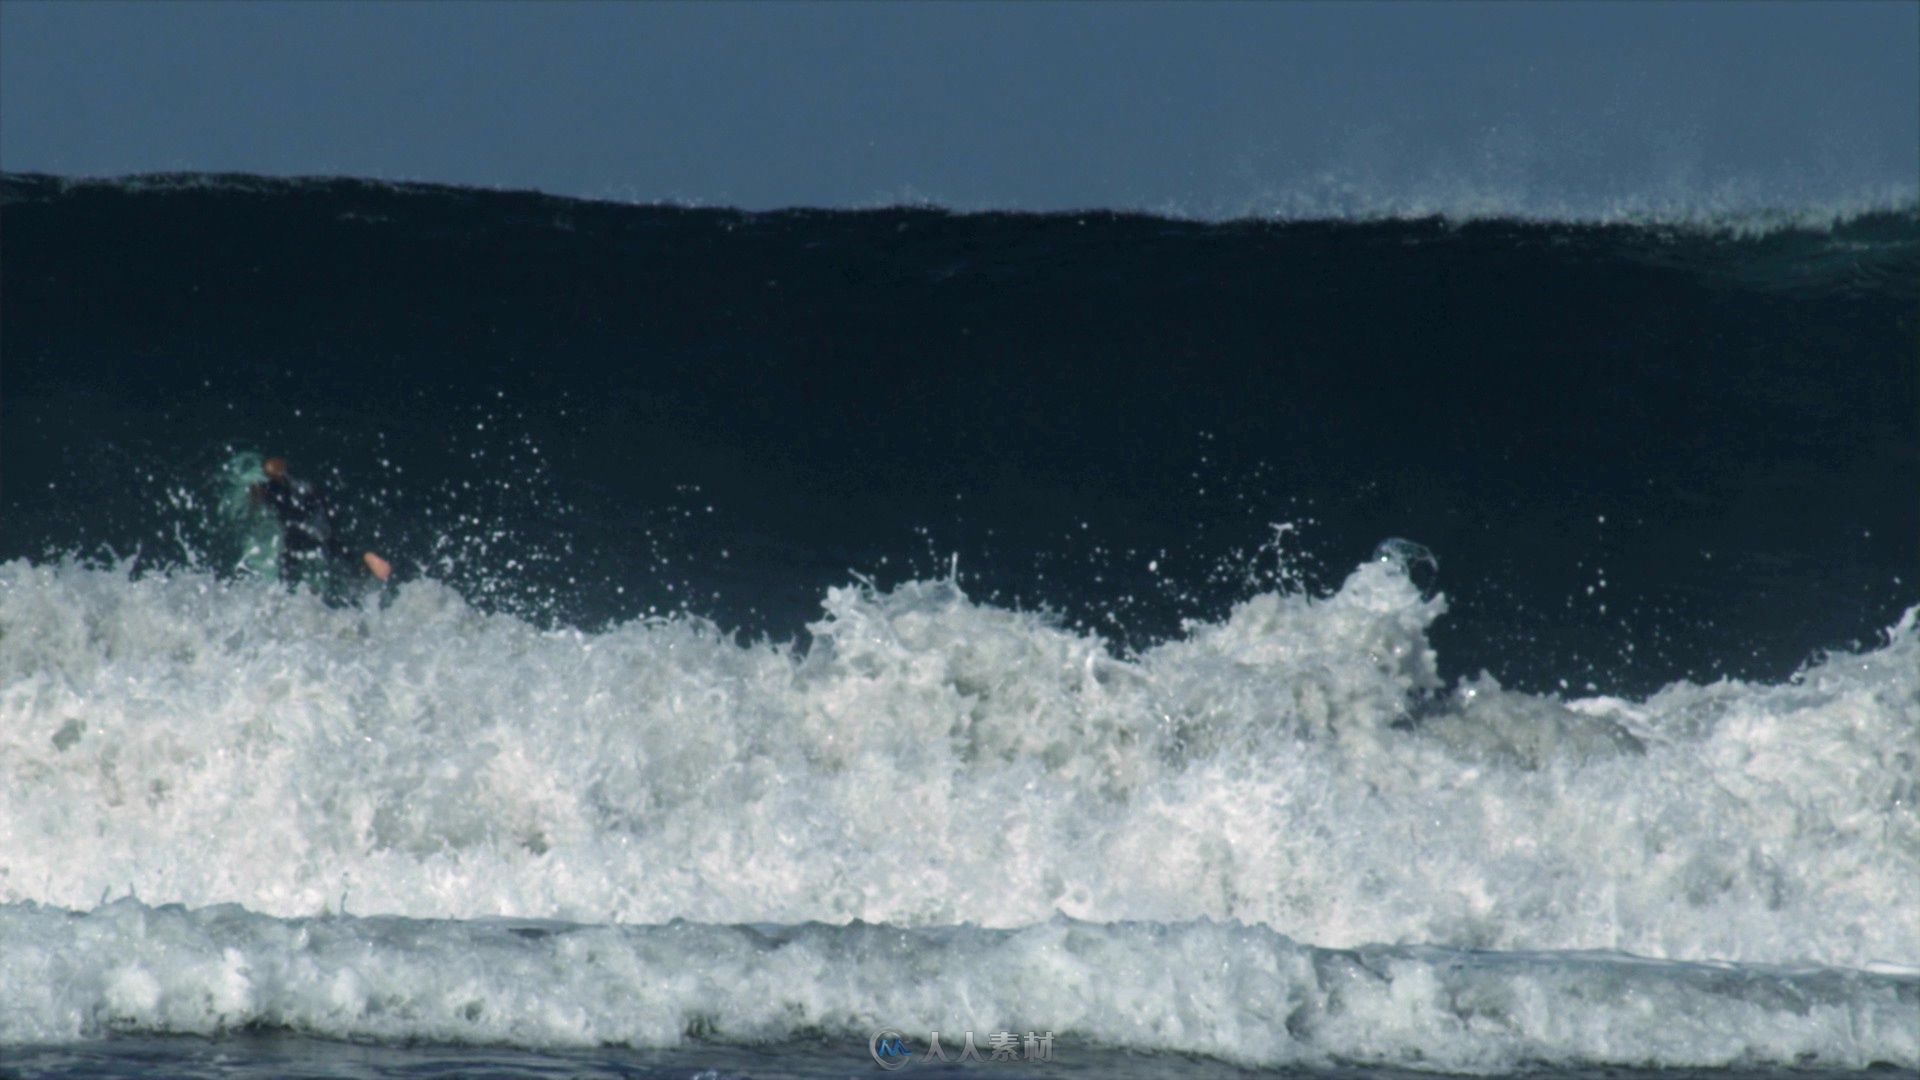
<point>1430,644</point>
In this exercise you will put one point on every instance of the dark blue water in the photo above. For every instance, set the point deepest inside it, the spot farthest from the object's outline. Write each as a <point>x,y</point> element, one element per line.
<point>1639,453</point>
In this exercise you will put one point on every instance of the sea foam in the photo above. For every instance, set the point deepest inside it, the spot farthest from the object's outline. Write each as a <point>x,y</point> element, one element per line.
<point>1238,993</point>
<point>927,760</point>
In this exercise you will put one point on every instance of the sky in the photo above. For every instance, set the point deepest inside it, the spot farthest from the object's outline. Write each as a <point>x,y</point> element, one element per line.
<point>1298,109</point>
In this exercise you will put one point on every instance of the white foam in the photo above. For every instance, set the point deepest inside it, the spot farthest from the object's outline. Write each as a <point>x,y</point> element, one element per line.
<point>931,761</point>
<point>1239,993</point>
<point>1736,209</point>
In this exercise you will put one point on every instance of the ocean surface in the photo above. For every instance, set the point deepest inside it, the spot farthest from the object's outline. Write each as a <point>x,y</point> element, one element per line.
<point>1155,647</point>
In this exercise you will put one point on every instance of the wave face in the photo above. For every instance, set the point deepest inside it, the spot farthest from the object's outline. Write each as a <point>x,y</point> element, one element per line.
<point>1654,453</point>
<point>1129,727</point>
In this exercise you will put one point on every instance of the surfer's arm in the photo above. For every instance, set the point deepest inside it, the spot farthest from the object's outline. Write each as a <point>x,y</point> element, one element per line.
<point>377,566</point>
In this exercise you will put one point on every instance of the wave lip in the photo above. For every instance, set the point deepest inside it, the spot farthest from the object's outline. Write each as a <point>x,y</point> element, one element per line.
<point>1728,211</point>
<point>1241,994</point>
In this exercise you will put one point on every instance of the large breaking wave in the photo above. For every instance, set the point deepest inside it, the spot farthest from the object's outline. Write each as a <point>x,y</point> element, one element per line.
<point>1639,790</point>
<point>997,820</point>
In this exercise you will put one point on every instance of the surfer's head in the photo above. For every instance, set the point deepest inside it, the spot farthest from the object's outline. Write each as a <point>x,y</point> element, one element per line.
<point>275,468</point>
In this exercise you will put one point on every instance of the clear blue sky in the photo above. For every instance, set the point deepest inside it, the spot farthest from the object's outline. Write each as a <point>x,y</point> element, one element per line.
<point>1202,109</point>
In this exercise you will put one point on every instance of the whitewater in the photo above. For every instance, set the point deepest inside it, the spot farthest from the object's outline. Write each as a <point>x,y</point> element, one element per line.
<point>1275,839</point>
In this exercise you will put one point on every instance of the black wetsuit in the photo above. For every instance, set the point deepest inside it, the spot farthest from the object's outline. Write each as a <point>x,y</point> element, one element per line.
<point>306,526</point>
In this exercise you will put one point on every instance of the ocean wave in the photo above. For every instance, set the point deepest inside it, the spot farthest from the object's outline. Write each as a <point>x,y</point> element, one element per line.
<point>1242,994</point>
<point>928,760</point>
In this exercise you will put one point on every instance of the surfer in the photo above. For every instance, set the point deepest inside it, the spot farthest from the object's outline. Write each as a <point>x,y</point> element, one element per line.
<point>306,526</point>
